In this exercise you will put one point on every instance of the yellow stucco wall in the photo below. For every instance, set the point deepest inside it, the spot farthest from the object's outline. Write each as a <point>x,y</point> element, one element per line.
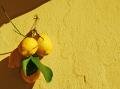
<point>86,38</point>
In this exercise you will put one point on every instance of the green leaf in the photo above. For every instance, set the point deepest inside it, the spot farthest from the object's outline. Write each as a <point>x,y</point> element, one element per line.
<point>47,72</point>
<point>24,64</point>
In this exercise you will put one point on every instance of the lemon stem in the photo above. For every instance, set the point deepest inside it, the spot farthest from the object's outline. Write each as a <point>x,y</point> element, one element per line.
<point>36,18</point>
<point>17,30</point>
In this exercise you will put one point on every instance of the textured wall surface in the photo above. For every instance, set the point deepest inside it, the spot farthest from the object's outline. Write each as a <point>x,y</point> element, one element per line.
<point>86,38</point>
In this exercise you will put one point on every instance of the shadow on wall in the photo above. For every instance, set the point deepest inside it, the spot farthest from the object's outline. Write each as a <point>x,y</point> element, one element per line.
<point>10,78</point>
<point>16,8</point>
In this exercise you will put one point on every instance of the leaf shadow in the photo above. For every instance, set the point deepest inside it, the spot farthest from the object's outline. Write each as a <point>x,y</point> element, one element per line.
<point>11,78</point>
<point>15,8</point>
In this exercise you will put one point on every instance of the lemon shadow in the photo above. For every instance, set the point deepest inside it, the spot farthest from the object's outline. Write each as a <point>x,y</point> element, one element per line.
<point>11,78</point>
<point>16,8</point>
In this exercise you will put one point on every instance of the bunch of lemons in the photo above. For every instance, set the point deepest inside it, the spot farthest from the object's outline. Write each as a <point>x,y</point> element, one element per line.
<point>42,46</point>
<point>28,54</point>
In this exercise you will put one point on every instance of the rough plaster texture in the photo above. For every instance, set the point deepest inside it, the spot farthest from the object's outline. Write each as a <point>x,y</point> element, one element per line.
<point>86,38</point>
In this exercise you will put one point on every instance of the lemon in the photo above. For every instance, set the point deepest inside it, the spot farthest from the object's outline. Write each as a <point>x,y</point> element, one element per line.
<point>28,46</point>
<point>44,45</point>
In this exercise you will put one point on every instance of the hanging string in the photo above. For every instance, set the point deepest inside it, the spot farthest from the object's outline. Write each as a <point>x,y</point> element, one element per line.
<point>17,30</point>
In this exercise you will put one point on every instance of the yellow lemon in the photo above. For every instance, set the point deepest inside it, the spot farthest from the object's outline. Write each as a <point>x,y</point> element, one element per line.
<point>44,45</point>
<point>28,46</point>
